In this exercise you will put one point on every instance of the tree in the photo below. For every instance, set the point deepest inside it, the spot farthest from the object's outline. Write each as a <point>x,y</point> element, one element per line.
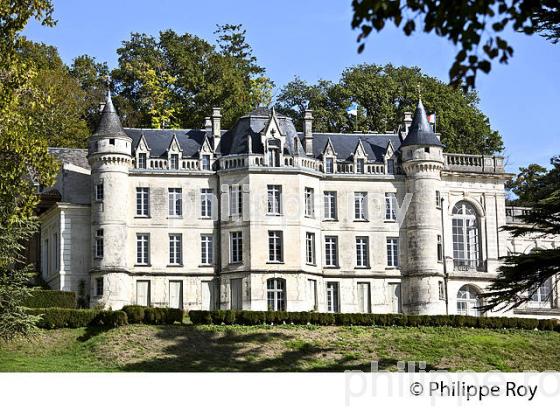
<point>523,186</point>
<point>383,94</point>
<point>24,160</point>
<point>521,275</point>
<point>475,26</point>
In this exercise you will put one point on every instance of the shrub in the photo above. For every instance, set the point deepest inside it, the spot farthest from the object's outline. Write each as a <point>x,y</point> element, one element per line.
<point>135,313</point>
<point>161,315</point>
<point>200,317</point>
<point>110,318</point>
<point>57,318</point>
<point>41,298</point>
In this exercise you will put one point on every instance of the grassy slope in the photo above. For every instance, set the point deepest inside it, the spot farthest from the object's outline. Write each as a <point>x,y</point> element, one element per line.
<point>279,348</point>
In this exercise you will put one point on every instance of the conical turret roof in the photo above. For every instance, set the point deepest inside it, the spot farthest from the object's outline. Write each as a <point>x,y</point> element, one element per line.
<point>110,123</point>
<point>420,131</point>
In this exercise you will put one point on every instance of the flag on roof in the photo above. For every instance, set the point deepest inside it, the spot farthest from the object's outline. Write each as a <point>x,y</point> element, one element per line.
<point>352,109</point>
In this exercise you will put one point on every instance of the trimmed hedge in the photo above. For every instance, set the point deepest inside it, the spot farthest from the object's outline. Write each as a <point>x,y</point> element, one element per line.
<point>41,298</point>
<point>229,317</point>
<point>153,315</point>
<point>57,318</point>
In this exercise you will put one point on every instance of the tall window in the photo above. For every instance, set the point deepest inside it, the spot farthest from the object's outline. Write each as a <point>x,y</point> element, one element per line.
<point>143,201</point>
<point>390,166</point>
<point>329,165</point>
<point>273,157</point>
<point>142,160</point>
<point>274,199</point>
<point>275,251</point>
<point>99,194</point>
<point>312,293</point>
<point>99,243</point>
<point>175,249</point>
<point>439,249</point>
<point>236,247</point>
<point>310,248</point>
<point>235,201</point>
<point>466,246</point>
<point>438,199</point>
<point>331,251</point>
<point>332,297</point>
<point>206,202</point>
<point>206,162</point>
<point>98,286</point>
<point>542,296</point>
<point>362,252</point>
<point>360,165</point>
<point>360,206</point>
<point>393,252</point>
<point>207,249</point>
<point>276,294</point>
<point>309,202</point>
<point>142,249</point>
<point>330,205</point>
<point>174,161</point>
<point>364,297</point>
<point>390,206</point>
<point>175,202</point>
<point>468,301</point>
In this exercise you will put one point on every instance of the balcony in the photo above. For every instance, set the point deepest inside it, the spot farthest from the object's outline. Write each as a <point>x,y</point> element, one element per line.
<point>469,265</point>
<point>474,163</point>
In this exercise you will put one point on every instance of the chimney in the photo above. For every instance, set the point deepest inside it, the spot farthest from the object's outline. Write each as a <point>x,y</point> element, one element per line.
<point>407,121</point>
<point>208,124</point>
<point>216,126</point>
<point>308,132</point>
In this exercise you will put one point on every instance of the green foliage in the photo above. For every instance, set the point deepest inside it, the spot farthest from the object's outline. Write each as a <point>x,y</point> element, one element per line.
<point>152,315</point>
<point>135,313</point>
<point>383,94</point>
<point>524,186</point>
<point>109,318</point>
<point>40,298</point>
<point>251,318</point>
<point>475,26</point>
<point>58,318</point>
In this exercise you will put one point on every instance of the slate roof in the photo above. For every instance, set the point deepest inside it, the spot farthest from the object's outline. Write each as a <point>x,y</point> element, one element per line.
<point>345,145</point>
<point>75,156</point>
<point>420,131</point>
<point>110,123</point>
<point>158,140</point>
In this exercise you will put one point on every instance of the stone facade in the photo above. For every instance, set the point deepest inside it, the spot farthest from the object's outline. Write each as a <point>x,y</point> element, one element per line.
<point>329,222</point>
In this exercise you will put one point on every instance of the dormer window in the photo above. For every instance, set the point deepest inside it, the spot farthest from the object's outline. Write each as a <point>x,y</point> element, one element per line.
<point>329,165</point>
<point>273,157</point>
<point>360,165</point>
<point>206,162</point>
<point>390,166</point>
<point>174,161</point>
<point>142,160</point>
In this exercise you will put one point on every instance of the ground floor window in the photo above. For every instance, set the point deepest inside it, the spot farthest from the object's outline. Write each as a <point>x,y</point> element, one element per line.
<point>468,300</point>
<point>99,287</point>
<point>364,298</point>
<point>542,296</point>
<point>333,304</point>
<point>276,294</point>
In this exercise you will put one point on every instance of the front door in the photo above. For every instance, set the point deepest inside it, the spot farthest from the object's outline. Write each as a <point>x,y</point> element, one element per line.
<point>176,294</point>
<point>364,305</point>
<point>143,293</point>
<point>395,297</point>
<point>236,294</point>
<point>209,295</point>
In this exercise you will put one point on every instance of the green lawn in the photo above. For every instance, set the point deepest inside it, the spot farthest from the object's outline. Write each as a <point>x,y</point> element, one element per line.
<point>279,348</point>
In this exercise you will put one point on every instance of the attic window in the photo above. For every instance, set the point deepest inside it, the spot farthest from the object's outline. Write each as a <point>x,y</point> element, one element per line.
<point>142,160</point>
<point>111,141</point>
<point>206,162</point>
<point>174,161</point>
<point>390,166</point>
<point>427,149</point>
<point>360,166</point>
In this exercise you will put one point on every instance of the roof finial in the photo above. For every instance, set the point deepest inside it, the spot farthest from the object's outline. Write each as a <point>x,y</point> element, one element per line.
<point>419,91</point>
<point>108,85</point>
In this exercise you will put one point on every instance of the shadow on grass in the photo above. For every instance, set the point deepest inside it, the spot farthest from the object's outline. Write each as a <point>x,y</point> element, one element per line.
<point>92,331</point>
<point>195,349</point>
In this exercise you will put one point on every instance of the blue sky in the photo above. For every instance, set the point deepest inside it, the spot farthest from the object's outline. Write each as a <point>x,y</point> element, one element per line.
<point>313,39</point>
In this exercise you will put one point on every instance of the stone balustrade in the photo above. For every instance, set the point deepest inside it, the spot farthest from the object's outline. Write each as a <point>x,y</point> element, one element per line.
<point>474,163</point>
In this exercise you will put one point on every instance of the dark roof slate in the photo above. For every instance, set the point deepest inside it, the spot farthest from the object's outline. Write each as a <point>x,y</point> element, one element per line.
<point>75,156</point>
<point>375,145</point>
<point>110,123</point>
<point>158,140</point>
<point>420,131</point>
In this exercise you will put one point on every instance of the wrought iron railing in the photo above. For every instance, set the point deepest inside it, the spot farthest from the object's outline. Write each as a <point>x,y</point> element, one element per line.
<point>466,265</point>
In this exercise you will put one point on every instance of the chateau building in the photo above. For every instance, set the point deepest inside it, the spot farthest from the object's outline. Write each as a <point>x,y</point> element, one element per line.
<point>264,217</point>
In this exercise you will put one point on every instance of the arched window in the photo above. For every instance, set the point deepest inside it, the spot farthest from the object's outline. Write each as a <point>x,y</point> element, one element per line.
<point>276,292</point>
<point>466,237</point>
<point>468,300</point>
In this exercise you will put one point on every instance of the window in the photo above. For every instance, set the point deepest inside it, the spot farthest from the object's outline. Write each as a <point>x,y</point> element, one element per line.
<point>364,297</point>
<point>390,206</point>
<point>206,162</point>
<point>312,293</point>
<point>542,296</point>
<point>391,166</point>
<point>99,243</point>
<point>329,165</point>
<point>142,160</point>
<point>275,251</point>
<point>331,251</point>
<point>393,252</point>
<point>143,201</point>
<point>439,249</point>
<point>362,251</point>
<point>175,202</point>
<point>111,141</point>
<point>143,293</point>
<point>332,297</point>
<point>273,158</point>
<point>360,206</point>
<point>175,249</point>
<point>427,149</point>
<point>468,301</point>
<point>174,161</point>
<point>466,247</point>
<point>236,247</point>
<point>235,201</point>
<point>360,165</point>
<point>206,202</point>
<point>142,249</point>
<point>441,287</point>
<point>98,286</point>
<point>276,294</point>
<point>56,252</point>
<point>438,199</point>
<point>330,205</point>
<point>207,249</point>
<point>99,192</point>
<point>274,199</point>
<point>310,248</point>
<point>309,202</point>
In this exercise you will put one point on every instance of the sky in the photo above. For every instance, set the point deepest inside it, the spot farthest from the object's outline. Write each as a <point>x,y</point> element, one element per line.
<point>313,39</point>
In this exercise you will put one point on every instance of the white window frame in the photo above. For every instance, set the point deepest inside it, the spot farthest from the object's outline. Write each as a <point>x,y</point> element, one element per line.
<point>360,206</point>
<point>310,255</point>
<point>175,249</point>
<point>393,252</point>
<point>142,249</point>
<point>330,205</point>
<point>390,206</point>
<point>207,249</point>
<point>276,294</point>
<point>274,199</point>
<point>99,244</point>
<point>360,166</point>
<point>206,202</point>
<point>333,297</point>
<point>99,192</point>
<point>142,160</point>
<point>235,201</point>
<point>275,247</point>
<point>362,252</point>
<point>143,202</point>
<point>175,202</point>
<point>331,251</point>
<point>329,165</point>
<point>364,293</point>
<point>309,202</point>
<point>174,161</point>
<point>205,162</point>
<point>236,247</point>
